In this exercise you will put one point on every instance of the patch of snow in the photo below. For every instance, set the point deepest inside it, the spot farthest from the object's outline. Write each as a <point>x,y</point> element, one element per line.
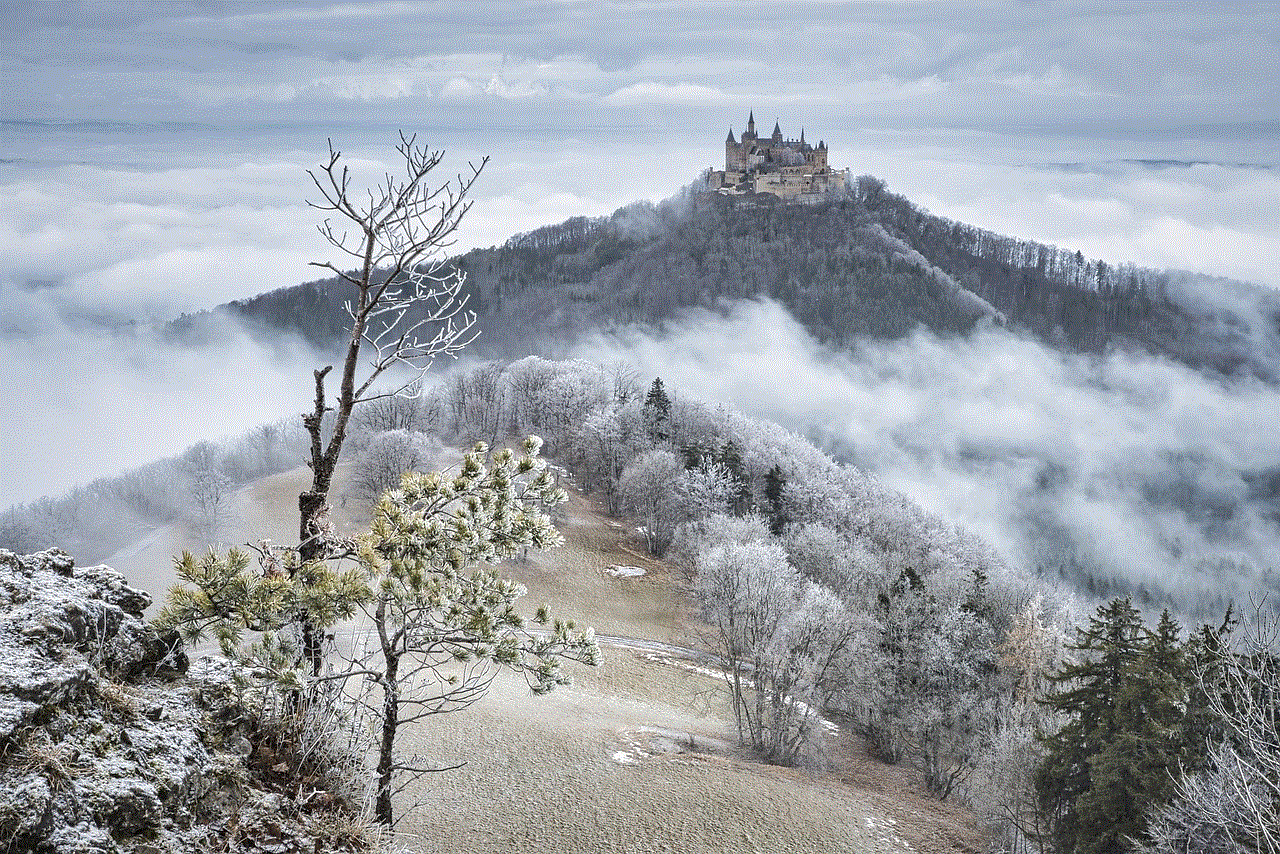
<point>625,571</point>
<point>884,829</point>
<point>622,757</point>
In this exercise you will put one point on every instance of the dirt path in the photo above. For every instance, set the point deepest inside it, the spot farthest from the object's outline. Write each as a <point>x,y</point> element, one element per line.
<point>638,756</point>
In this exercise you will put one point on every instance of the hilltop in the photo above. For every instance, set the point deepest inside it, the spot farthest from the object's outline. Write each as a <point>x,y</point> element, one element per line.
<point>868,263</point>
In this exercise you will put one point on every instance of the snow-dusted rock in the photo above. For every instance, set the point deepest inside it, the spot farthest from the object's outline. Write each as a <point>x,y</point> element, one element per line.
<point>105,746</point>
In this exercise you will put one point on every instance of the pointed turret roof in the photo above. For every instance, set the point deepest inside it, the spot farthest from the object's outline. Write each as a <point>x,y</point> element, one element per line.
<point>751,122</point>
<point>821,144</point>
<point>801,135</point>
<point>730,137</point>
<point>777,130</point>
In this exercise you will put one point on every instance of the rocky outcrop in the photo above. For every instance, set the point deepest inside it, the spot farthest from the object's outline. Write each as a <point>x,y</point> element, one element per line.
<point>110,742</point>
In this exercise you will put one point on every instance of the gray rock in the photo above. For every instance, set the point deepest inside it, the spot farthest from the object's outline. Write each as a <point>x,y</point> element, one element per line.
<point>106,746</point>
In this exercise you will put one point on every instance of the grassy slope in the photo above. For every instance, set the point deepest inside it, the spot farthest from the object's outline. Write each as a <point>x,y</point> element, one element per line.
<point>607,765</point>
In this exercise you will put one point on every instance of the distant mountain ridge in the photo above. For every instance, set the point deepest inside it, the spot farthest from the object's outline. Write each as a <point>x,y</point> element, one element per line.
<point>868,264</point>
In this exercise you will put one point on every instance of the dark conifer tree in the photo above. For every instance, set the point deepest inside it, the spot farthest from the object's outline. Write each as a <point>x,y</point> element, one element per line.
<point>1090,692</point>
<point>657,413</point>
<point>1138,766</point>
<point>774,481</point>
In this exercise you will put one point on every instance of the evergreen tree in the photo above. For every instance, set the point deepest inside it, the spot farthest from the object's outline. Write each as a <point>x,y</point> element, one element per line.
<point>1140,718</point>
<point>1139,766</point>
<point>1090,692</point>
<point>657,413</point>
<point>774,481</point>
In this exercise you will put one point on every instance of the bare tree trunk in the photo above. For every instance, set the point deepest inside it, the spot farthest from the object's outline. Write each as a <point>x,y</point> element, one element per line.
<point>386,748</point>
<point>398,233</point>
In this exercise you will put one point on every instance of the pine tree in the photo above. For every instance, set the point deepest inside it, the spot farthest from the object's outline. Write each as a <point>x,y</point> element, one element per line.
<point>657,413</point>
<point>774,481</point>
<point>1090,692</point>
<point>1139,720</point>
<point>1137,768</point>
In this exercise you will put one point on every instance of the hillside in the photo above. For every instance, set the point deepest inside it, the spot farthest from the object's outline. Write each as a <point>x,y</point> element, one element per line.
<point>639,754</point>
<point>870,264</point>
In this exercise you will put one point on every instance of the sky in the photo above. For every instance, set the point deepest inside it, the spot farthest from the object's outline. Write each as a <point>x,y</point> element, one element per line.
<point>153,156</point>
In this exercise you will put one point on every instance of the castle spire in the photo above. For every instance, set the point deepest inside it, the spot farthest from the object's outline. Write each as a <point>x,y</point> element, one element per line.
<point>751,123</point>
<point>777,129</point>
<point>730,139</point>
<point>802,136</point>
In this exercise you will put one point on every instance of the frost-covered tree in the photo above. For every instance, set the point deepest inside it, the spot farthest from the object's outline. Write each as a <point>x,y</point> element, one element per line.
<point>788,646</point>
<point>395,412</point>
<point>210,489</point>
<point>405,307</point>
<point>386,458</point>
<point>648,487</point>
<point>1232,806</point>
<point>1034,646</point>
<point>441,626</point>
<point>604,442</point>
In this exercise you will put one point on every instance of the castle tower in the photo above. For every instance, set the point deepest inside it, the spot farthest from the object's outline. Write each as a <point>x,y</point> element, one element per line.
<point>732,153</point>
<point>777,133</point>
<point>751,126</point>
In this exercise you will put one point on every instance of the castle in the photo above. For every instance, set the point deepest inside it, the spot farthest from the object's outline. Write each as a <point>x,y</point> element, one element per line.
<point>791,169</point>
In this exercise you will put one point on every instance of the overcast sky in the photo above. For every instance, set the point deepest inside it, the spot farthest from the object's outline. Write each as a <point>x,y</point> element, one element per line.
<point>1139,68</point>
<point>152,155</point>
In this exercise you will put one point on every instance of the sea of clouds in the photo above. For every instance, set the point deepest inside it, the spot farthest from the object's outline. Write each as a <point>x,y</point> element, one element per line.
<point>1127,465</point>
<point>110,230</point>
<point>153,162</point>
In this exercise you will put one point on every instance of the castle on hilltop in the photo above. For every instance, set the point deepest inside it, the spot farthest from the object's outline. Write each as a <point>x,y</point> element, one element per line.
<point>791,169</point>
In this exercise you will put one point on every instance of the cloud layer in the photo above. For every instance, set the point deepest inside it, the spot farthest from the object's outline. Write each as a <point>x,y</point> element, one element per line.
<point>90,402</point>
<point>153,156</point>
<point>1137,467</point>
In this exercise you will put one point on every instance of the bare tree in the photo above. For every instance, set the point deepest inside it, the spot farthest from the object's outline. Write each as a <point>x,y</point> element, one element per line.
<point>1233,805</point>
<point>384,461</point>
<point>406,307</point>
<point>209,489</point>
<point>396,412</point>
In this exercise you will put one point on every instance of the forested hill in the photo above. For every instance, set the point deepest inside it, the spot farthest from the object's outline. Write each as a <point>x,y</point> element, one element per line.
<point>871,263</point>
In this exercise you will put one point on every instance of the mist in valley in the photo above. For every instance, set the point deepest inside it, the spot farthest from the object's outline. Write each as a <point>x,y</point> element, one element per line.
<point>1109,475</point>
<point>137,192</point>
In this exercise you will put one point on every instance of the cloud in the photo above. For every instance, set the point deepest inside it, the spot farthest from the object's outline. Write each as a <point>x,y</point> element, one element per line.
<point>937,63</point>
<point>517,89</point>
<point>1135,466</point>
<point>653,92</point>
<point>86,403</point>
<point>150,243</point>
<point>458,89</point>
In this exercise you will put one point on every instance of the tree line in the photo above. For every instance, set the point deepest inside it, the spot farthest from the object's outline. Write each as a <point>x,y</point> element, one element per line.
<point>829,597</point>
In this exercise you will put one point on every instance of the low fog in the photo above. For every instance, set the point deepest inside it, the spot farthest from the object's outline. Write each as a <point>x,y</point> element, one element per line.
<point>1116,467</point>
<point>96,400</point>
